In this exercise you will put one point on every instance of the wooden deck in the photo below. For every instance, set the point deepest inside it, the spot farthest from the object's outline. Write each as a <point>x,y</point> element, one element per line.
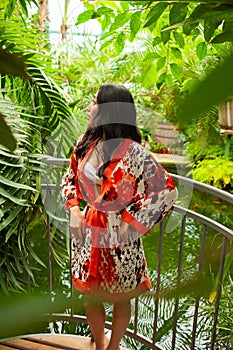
<point>48,342</point>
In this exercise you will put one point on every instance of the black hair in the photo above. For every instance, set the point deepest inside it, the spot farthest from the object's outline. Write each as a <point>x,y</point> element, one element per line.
<point>115,121</point>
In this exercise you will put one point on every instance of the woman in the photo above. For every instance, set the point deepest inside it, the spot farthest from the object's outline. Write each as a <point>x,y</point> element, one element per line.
<point>126,193</point>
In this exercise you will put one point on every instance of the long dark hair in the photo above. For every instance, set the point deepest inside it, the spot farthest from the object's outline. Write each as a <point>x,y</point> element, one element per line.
<point>115,121</point>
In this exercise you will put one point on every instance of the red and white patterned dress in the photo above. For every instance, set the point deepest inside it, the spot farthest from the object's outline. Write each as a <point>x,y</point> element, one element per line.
<point>135,189</point>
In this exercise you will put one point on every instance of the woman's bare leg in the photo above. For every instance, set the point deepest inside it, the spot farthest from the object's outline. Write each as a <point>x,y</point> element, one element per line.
<point>95,313</point>
<point>120,321</point>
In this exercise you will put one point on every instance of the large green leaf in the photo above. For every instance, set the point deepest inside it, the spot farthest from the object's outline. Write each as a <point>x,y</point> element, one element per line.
<point>135,24</point>
<point>219,13</point>
<point>223,37</point>
<point>6,137</point>
<point>155,12</point>
<point>210,25</point>
<point>10,183</point>
<point>161,63</point>
<point>34,108</point>
<point>177,13</point>
<point>120,42</point>
<point>19,312</point>
<point>85,16</point>
<point>21,4</point>
<point>165,34</point>
<point>120,20</point>
<point>12,64</point>
<point>200,11</point>
<point>213,90</point>
<point>201,50</point>
<point>179,39</point>
<point>14,199</point>
<point>176,70</point>
<point>103,10</point>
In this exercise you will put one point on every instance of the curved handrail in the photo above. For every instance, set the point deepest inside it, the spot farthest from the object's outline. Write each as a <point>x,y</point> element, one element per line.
<point>224,230</point>
<point>226,196</point>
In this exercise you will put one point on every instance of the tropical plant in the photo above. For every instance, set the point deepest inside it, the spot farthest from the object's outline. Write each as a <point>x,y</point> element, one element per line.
<point>169,26</point>
<point>182,43</point>
<point>216,172</point>
<point>225,328</point>
<point>35,107</point>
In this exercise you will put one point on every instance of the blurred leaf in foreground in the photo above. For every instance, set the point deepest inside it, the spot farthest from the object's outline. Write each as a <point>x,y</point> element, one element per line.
<point>12,64</point>
<point>6,137</point>
<point>215,89</point>
<point>20,313</point>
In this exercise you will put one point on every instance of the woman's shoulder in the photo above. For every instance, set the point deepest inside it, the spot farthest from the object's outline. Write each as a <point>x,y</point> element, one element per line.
<point>137,150</point>
<point>139,156</point>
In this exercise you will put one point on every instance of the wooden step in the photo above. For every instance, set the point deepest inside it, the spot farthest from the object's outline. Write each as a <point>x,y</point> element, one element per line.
<point>48,342</point>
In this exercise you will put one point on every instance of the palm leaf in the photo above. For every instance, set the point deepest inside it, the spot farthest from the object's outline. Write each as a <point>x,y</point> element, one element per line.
<point>6,137</point>
<point>40,109</point>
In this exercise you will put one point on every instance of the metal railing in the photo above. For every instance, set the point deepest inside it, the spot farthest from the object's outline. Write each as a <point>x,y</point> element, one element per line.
<point>185,214</point>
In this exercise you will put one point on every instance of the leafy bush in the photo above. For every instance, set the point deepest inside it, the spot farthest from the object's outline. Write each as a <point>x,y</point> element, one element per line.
<point>216,172</point>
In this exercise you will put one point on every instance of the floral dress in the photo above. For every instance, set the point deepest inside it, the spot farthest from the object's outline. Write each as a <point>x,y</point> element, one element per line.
<point>134,189</point>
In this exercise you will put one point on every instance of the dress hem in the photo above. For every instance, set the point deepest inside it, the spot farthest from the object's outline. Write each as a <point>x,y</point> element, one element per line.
<point>93,290</point>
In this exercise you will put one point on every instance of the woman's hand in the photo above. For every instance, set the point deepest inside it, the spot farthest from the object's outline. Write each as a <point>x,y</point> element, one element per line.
<point>77,223</point>
<point>123,232</point>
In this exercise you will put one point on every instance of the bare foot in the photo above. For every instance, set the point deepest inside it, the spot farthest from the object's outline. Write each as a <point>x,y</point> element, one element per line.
<point>106,342</point>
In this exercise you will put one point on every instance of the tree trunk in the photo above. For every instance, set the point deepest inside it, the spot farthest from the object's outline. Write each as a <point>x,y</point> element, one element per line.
<point>43,15</point>
<point>64,25</point>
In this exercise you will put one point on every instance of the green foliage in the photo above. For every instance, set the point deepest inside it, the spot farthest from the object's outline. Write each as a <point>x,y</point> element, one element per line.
<point>206,93</point>
<point>160,50</point>
<point>154,13</point>
<point>21,5</point>
<point>33,106</point>
<point>19,200</point>
<point>183,37</point>
<point>203,136</point>
<point>206,148</point>
<point>14,65</point>
<point>11,63</point>
<point>176,23</point>
<point>225,328</point>
<point>6,137</point>
<point>20,313</point>
<point>129,24</point>
<point>201,50</point>
<point>216,172</point>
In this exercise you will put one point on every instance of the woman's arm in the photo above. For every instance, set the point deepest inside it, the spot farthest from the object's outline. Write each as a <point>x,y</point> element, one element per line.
<point>153,199</point>
<point>70,185</point>
<point>71,196</point>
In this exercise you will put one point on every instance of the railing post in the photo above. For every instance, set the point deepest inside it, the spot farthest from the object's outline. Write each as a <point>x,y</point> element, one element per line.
<point>71,279</point>
<point>218,295</point>
<point>201,263</point>
<point>161,229</point>
<point>178,280</point>
<point>50,279</point>
<point>135,316</point>
<point>49,257</point>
